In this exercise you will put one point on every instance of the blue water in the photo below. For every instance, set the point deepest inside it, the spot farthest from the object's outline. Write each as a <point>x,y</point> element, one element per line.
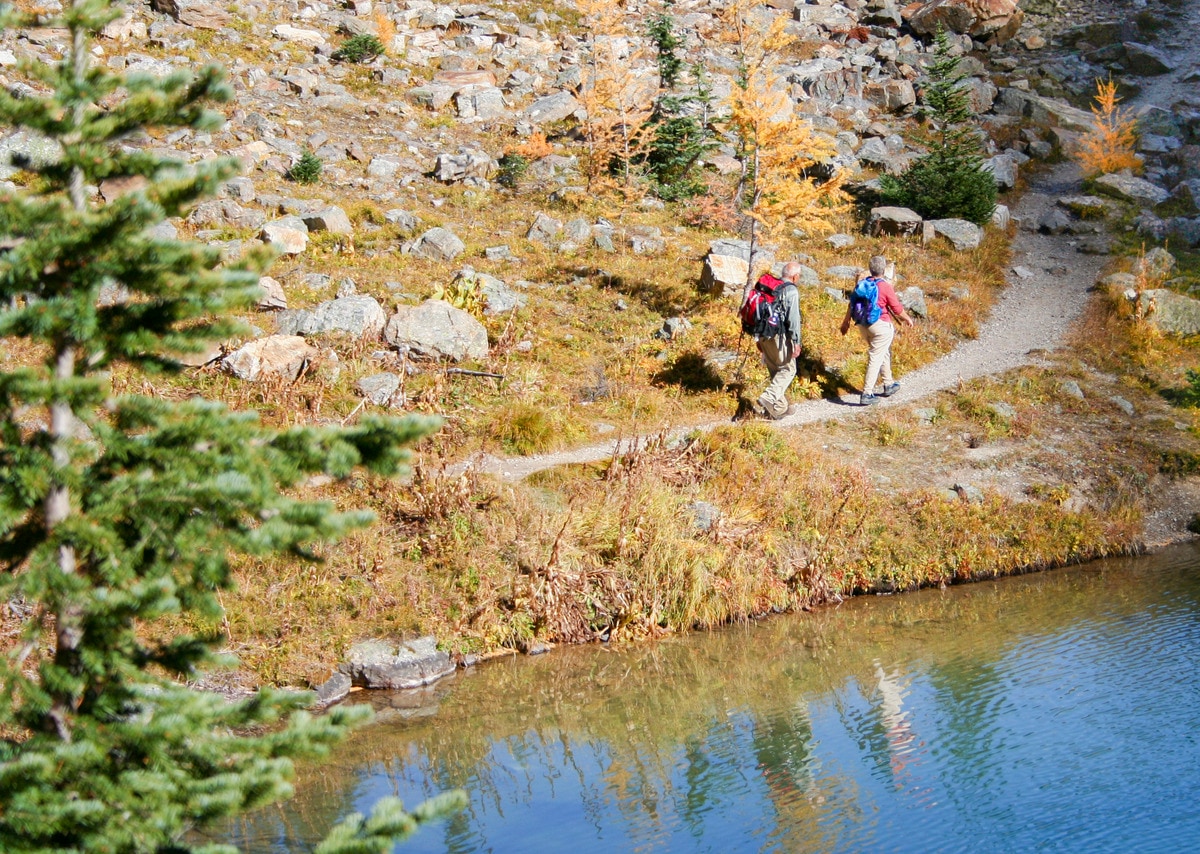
<point>1058,712</point>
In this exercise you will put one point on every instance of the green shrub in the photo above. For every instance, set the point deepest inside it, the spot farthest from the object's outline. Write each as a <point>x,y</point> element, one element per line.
<point>359,48</point>
<point>512,168</point>
<point>306,170</point>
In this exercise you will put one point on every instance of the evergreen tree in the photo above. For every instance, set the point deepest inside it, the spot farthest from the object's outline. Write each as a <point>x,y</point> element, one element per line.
<point>117,510</point>
<point>680,137</point>
<point>949,181</point>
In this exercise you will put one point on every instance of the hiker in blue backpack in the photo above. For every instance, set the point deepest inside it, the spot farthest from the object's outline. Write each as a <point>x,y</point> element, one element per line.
<point>780,350</point>
<point>873,304</point>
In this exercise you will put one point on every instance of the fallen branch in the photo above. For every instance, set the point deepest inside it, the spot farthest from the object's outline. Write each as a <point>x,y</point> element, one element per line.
<point>467,373</point>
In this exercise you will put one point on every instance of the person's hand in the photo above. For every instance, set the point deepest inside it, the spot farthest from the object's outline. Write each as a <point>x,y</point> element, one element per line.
<point>908,319</point>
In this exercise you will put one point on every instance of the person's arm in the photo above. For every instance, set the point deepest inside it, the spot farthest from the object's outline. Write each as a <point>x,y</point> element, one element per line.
<point>894,306</point>
<point>794,319</point>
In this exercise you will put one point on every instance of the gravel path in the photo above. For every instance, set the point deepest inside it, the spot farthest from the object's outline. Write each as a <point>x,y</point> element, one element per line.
<point>1047,290</point>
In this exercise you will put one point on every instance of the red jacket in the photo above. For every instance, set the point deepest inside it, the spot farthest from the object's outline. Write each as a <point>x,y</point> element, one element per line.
<point>889,303</point>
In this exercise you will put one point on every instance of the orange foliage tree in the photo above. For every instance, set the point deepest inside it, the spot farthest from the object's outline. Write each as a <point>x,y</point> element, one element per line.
<point>1110,146</point>
<point>778,150</point>
<point>618,97</point>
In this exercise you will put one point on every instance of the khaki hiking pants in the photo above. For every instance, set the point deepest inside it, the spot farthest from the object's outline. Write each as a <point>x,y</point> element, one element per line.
<point>879,337</point>
<point>782,366</point>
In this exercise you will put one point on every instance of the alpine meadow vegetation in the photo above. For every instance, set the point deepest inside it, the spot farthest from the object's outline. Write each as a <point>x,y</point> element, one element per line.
<point>118,511</point>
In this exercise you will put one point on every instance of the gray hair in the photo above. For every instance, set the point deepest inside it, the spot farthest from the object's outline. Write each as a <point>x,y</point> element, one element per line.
<point>878,265</point>
<point>791,271</point>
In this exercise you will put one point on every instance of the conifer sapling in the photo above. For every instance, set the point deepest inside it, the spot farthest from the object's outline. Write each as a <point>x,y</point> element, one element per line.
<point>117,509</point>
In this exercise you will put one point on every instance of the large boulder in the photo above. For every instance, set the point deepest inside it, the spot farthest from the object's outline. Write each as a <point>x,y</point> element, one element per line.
<point>356,316</point>
<point>963,235</point>
<point>200,14</point>
<point>438,330</point>
<point>893,221</point>
<point>1171,312</point>
<point>466,163</point>
<point>1130,188</point>
<point>274,356</point>
<point>438,244</point>
<point>727,266</point>
<point>386,664</point>
<point>995,19</point>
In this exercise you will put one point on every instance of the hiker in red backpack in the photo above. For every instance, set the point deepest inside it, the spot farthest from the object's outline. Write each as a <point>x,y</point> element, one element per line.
<point>780,350</point>
<point>873,304</point>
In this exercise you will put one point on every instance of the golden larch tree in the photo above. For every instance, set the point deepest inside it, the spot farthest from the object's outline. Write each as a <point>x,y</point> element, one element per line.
<point>617,92</point>
<point>778,150</point>
<point>1111,145</point>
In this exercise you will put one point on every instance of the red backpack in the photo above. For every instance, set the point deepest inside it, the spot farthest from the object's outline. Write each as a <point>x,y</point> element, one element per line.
<point>761,312</point>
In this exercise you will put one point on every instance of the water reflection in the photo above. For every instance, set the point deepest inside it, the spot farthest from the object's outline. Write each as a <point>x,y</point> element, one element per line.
<point>1051,712</point>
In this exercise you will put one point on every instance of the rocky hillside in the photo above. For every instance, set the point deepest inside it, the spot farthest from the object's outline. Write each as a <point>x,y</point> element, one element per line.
<point>408,145</point>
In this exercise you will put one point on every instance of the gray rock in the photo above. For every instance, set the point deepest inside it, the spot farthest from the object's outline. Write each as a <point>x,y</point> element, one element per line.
<point>893,221</point>
<point>224,212</point>
<point>480,102</point>
<point>403,220</point>
<point>1053,221</point>
<point>273,296</point>
<point>467,163</point>
<point>298,35</point>
<point>913,300</point>
<point>968,493</point>
<point>332,219</point>
<point>438,330</point>
<point>1003,410</point>
<point>1131,189</point>
<point>840,241</point>
<point>552,108</point>
<point>544,230</point>
<point>1171,312</point>
<point>384,166</point>
<point>501,299</point>
<point>646,241</point>
<point>356,316</point>
<point>1001,216</point>
<point>276,355</point>
<point>288,235</point>
<point>336,687</point>
<point>25,148</point>
<point>380,389</point>
<point>195,13</point>
<point>1072,389</point>
<point>1184,229</point>
<point>704,515</point>
<point>1146,61</point>
<point>438,244</point>
<point>963,235</point>
<point>385,664</point>
<point>1004,169</point>
<point>846,272</point>
<point>1122,404</point>
<point>1157,264</point>
<point>808,277</point>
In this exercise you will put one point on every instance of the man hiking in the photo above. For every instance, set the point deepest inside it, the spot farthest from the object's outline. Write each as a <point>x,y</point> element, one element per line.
<point>780,351</point>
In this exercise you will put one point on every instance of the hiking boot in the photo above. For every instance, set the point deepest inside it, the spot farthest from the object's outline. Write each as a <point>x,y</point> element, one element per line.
<point>760,409</point>
<point>889,389</point>
<point>791,410</point>
<point>867,399</point>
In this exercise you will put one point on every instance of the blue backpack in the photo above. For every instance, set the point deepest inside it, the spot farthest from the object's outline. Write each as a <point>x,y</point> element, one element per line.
<point>864,301</point>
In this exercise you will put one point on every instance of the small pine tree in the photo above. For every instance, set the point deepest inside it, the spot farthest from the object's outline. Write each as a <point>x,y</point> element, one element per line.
<point>118,509</point>
<point>678,137</point>
<point>359,48</point>
<point>307,168</point>
<point>950,180</point>
<point>1111,145</point>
